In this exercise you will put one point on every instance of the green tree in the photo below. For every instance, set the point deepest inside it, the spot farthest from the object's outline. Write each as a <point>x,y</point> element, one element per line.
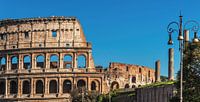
<point>191,75</point>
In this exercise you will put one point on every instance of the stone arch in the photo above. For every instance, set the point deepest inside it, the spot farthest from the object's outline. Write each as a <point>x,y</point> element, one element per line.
<point>67,61</point>
<point>39,87</point>
<point>95,85</point>
<point>2,87</point>
<point>126,86</point>
<point>3,64</point>
<point>53,86</point>
<point>26,87</point>
<point>40,61</point>
<point>27,62</point>
<point>133,79</point>
<point>81,83</point>
<point>14,62</point>
<point>149,73</point>
<point>54,61</point>
<point>67,86</point>
<point>81,60</point>
<point>114,85</point>
<point>13,87</point>
<point>133,86</point>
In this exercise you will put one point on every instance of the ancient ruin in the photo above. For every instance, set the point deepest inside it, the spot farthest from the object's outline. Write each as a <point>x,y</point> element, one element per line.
<point>46,58</point>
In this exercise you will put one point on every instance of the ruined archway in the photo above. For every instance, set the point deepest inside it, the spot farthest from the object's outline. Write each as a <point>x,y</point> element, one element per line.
<point>114,85</point>
<point>26,87</point>
<point>67,86</point>
<point>53,87</point>
<point>39,87</point>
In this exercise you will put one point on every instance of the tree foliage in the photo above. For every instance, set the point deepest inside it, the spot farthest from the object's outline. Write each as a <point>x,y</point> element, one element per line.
<point>191,75</point>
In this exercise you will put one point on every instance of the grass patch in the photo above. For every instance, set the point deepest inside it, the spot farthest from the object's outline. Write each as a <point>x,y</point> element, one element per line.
<point>157,84</point>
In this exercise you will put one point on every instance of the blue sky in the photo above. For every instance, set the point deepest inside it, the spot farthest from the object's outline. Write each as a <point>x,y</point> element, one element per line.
<point>127,31</point>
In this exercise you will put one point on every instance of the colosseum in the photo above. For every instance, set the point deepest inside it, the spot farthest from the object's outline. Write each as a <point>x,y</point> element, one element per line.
<point>44,59</point>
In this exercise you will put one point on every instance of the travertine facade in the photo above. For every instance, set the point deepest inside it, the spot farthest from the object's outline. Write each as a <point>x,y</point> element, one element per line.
<point>44,59</point>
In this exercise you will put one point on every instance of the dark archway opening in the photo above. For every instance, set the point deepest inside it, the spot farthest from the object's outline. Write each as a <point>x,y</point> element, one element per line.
<point>93,86</point>
<point>67,85</point>
<point>2,87</point>
<point>39,87</point>
<point>53,87</point>
<point>13,87</point>
<point>26,87</point>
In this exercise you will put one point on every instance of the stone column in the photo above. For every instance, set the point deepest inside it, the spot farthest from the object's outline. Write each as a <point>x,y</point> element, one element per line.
<point>20,64</point>
<point>7,62</point>
<point>6,87</point>
<point>186,38</point>
<point>157,76</point>
<point>19,90</point>
<point>46,35</point>
<point>32,87</point>
<point>60,60</point>
<point>31,43</point>
<point>59,34</point>
<point>60,86</point>
<point>74,60</point>
<point>33,61</point>
<point>47,62</point>
<point>46,87</point>
<point>171,64</point>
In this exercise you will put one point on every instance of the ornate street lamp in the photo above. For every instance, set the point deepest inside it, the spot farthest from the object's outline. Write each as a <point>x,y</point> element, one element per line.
<point>177,27</point>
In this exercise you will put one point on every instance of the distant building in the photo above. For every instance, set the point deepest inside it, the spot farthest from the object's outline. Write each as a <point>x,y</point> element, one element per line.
<point>46,58</point>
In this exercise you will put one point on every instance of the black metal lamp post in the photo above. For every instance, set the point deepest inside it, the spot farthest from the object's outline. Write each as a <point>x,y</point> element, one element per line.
<point>177,27</point>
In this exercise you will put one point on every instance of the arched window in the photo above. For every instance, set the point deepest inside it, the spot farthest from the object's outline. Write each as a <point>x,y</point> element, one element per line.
<point>93,86</point>
<point>81,84</point>
<point>3,64</point>
<point>67,86</point>
<point>133,79</point>
<point>126,86</point>
<point>67,61</point>
<point>39,87</point>
<point>114,85</point>
<point>140,70</point>
<point>14,62</point>
<point>81,61</point>
<point>133,86</point>
<point>27,62</point>
<point>149,74</point>
<point>53,87</point>
<point>40,61</point>
<point>26,87</point>
<point>13,87</point>
<point>54,61</point>
<point>2,87</point>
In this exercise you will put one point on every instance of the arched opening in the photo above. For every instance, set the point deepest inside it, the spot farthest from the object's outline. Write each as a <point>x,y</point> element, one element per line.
<point>67,61</point>
<point>133,86</point>
<point>93,86</point>
<point>54,61</point>
<point>126,86</point>
<point>67,85</point>
<point>26,87</point>
<point>39,87</point>
<point>13,87</point>
<point>81,84</point>
<point>3,64</point>
<point>40,61</point>
<point>2,87</point>
<point>53,87</point>
<point>133,79</point>
<point>14,62</point>
<point>81,61</point>
<point>27,62</point>
<point>149,74</point>
<point>140,70</point>
<point>114,85</point>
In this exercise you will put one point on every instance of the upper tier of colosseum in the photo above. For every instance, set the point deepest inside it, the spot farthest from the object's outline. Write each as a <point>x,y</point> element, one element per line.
<point>42,33</point>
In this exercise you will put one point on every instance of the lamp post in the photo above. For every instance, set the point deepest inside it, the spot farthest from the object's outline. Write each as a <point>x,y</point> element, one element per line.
<point>179,28</point>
